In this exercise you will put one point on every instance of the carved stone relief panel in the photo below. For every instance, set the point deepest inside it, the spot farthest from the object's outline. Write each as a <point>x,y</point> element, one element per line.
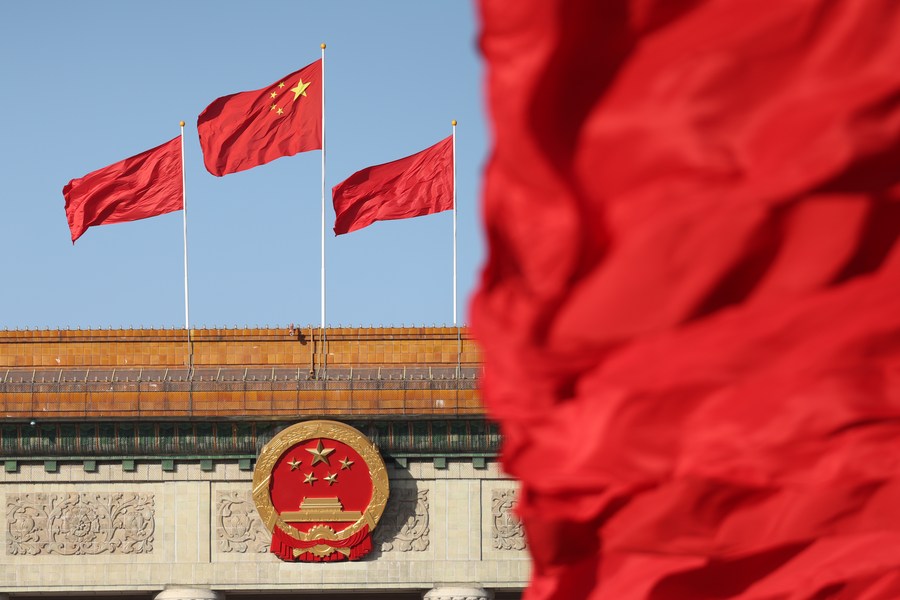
<point>79,523</point>
<point>238,526</point>
<point>404,524</point>
<point>506,530</point>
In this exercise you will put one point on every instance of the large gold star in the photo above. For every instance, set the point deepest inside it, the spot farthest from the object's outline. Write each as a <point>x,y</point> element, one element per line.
<point>310,478</point>
<point>346,462</point>
<point>294,464</point>
<point>300,90</point>
<point>331,479</point>
<point>320,454</point>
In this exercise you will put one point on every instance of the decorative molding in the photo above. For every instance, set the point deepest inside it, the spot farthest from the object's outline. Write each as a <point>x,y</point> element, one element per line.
<point>216,439</point>
<point>506,530</point>
<point>404,525</point>
<point>79,523</point>
<point>238,526</point>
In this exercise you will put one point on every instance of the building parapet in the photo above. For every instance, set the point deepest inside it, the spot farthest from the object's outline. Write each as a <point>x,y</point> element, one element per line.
<point>241,373</point>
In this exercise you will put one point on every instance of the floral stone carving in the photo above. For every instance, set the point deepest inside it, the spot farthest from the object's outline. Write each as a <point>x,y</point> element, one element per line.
<point>238,526</point>
<point>404,524</point>
<point>79,523</point>
<point>506,530</point>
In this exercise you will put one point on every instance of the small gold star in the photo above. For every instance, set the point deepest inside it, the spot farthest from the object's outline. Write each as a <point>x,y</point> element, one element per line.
<point>331,479</point>
<point>281,85</point>
<point>279,111</point>
<point>346,462</point>
<point>273,94</point>
<point>274,106</point>
<point>294,464</point>
<point>320,454</point>
<point>310,478</point>
<point>300,90</point>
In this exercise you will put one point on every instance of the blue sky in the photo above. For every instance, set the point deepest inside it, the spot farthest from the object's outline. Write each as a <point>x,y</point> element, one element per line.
<point>86,84</point>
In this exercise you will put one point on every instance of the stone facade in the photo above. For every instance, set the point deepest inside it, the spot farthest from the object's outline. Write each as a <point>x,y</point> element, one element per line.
<point>117,531</point>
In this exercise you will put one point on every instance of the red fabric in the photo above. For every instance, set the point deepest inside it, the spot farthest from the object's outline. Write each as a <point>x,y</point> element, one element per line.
<point>417,185</point>
<point>145,185</point>
<point>690,313</point>
<point>245,130</point>
<point>283,546</point>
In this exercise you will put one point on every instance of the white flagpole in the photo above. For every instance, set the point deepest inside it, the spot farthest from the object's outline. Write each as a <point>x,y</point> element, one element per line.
<point>324,347</point>
<point>187,320</point>
<point>453,122</point>
<point>455,320</point>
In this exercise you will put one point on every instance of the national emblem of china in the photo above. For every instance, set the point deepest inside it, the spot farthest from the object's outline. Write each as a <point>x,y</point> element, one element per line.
<point>320,488</point>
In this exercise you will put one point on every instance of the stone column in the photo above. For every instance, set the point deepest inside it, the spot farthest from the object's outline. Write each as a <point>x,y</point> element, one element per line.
<point>460,591</point>
<point>184,593</point>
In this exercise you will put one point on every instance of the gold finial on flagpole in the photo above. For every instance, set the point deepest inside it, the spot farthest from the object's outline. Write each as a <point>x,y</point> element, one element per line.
<point>322,45</point>
<point>181,123</point>
<point>453,122</point>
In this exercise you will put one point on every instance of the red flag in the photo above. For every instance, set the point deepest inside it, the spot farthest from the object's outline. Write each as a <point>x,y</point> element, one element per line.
<point>417,185</point>
<point>691,309</point>
<point>145,185</point>
<point>248,129</point>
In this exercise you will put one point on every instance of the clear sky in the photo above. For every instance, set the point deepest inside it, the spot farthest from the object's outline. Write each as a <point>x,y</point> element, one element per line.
<point>86,84</point>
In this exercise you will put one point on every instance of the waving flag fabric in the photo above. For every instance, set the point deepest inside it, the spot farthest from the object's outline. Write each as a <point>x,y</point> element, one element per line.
<point>142,186</point>
<point>248,129</point>
<point>691,308</point>
<point>417,185</point>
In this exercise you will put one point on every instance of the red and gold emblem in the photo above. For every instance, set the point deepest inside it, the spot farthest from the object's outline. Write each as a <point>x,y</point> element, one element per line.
<point>320,488</point>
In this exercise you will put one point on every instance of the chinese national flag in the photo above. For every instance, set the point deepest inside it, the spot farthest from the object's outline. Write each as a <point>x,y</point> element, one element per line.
<point>417,185</point>
<point>142,186</point>
<point>248,129</point>
<point>690,314</point>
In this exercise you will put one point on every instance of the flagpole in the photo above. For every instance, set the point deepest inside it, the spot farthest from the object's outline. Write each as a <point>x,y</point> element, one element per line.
<point>324,344</point>
<point>453,123</point>
<point>455,320</point>
<point>187,320</point>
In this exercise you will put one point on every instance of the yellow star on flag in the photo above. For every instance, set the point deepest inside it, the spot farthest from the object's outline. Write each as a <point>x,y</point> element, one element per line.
<point>279,111</point>
<point>300,90</point>
<point>320,454</point>
<point>273,94</point>
<point>281,85</point>
<point>310,478</point>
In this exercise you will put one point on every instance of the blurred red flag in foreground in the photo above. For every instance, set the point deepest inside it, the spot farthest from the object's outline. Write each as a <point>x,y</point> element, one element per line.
<point>691,308</point>
<point>417,185</point>
<point>247,129</point>
<point>145,185</point>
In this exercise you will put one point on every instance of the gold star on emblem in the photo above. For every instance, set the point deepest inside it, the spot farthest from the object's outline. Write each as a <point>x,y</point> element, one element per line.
<point>281,85</point>
<point>310,478</point>
<point>331,479</point>
<point>294,464</point>
<point>320,454</point>
<point>273,94</point>
<point>279,112</point>
<point>300,90</point>
<point>346,462</point>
